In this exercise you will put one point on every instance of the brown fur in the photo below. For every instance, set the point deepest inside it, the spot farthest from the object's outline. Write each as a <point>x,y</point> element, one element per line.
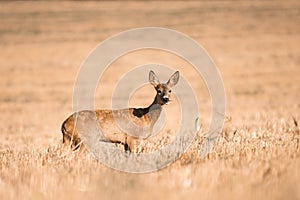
<point>143,118</point>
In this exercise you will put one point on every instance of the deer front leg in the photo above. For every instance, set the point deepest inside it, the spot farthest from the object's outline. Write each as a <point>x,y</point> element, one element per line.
<point>133,144</point>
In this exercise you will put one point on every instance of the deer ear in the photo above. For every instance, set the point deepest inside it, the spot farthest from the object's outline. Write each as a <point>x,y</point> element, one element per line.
<point>174,79</point>
<point>153,79</point>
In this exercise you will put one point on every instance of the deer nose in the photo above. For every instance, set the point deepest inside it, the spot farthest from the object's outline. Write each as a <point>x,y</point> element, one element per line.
<point>166,99</point>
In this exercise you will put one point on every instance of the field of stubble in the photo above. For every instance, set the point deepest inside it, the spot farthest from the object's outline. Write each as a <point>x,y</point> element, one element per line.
<point>255,46</point>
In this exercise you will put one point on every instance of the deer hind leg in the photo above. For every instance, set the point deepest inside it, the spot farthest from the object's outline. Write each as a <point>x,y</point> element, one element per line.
<point>66,136</point>
<point>70,135</point>
<point>72,141</point>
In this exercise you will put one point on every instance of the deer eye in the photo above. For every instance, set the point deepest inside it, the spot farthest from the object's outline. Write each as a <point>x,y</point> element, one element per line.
<point>159,91</point>
<point>170,91</point>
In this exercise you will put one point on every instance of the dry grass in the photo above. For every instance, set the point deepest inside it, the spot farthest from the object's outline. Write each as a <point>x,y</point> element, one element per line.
<point>248,162</point>
<point>255,45</point>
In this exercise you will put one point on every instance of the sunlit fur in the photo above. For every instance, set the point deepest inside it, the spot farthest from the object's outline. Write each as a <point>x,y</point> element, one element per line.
<point>145,118</point>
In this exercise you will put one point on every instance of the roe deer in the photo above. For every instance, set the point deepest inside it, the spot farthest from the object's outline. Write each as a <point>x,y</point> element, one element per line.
<point>140,117</point>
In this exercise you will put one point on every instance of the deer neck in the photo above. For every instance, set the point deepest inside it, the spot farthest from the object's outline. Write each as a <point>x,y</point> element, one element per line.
<point>153,111</point>
<point>155,106</point>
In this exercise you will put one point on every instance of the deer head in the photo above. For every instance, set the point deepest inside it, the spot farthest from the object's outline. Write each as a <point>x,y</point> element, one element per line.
<point>163,90</point>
